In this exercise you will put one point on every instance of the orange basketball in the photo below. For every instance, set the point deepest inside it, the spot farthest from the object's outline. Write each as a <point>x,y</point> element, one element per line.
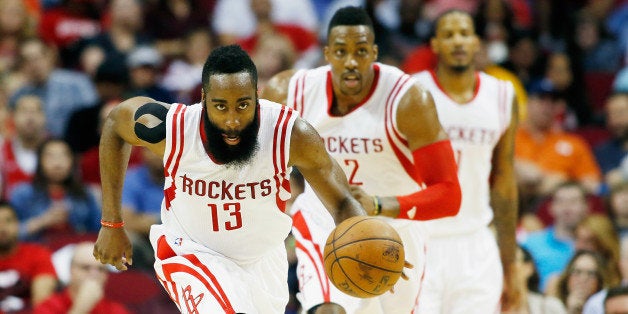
<point>364,257</point>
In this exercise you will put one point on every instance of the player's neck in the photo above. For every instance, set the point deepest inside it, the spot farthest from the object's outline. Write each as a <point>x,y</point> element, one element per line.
<point>460,86</point>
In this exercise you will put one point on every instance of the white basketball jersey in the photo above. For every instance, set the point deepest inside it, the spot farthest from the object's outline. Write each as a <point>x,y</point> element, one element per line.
<point>365,142</point>
<point>474,129</point>
<point>235,211</point>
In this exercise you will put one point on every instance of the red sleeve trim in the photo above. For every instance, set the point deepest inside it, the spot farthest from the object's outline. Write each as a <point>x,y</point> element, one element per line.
<point>436,167</point>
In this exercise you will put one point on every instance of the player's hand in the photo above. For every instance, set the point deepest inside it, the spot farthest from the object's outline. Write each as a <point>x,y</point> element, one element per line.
<point>403,274</point>
<point>113,247</point>
<point>365,199</point>
<point>512,294</point>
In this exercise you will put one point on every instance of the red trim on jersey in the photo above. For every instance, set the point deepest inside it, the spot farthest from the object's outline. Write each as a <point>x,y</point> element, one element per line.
<point>172,268</point>
<point>405,162</point>
<point>299,223</point>
<point>330,91</point>
<point>435,164</point>
<point>476,90</point>
<point>165,251</point>
<point>302,92</point>
<point>279,155</point>
<point>299,90</point>
<point>169,193</point>
<point>196,262</point>
<point>390,105</point>
<point>416,301</point>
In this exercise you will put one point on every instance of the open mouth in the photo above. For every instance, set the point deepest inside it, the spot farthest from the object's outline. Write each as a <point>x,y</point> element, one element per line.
<point>231,139</point>
<point>351,81</point>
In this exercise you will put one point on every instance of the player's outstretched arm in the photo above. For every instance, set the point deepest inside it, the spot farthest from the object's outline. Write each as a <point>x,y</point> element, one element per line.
<point>434,163</point>
<point>137,121</point>
<point>308,154</point>
<point>276,88</point>
<point>504,201</point>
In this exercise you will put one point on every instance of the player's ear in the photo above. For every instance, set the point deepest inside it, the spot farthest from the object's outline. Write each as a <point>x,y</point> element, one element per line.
<point>375,51</point>
<point>434,44</point>
<point>326,53</point>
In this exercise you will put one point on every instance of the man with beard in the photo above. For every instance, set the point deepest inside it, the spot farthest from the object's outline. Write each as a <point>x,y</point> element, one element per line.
<point>227,160</point>
<point>382,128</point>
<point>479,113</point>
<point>27,276</point>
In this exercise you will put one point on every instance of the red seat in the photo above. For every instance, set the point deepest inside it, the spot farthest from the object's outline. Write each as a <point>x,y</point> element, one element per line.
<point>599,86</point>
<point>594,135</point>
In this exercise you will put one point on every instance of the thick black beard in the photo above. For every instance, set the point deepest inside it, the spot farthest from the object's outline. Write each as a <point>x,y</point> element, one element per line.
<point>232,155</point>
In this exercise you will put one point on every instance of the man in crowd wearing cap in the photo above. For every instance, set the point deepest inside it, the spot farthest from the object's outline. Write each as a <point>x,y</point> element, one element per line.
<point>145,64</point>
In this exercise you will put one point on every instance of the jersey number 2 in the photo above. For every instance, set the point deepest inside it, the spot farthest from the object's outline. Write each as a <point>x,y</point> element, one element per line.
<point>353,164</point>
<point>234,211</point>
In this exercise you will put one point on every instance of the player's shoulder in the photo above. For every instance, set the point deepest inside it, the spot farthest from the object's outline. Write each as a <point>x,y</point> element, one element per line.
<point>492,81</point>
<point>269,106</point>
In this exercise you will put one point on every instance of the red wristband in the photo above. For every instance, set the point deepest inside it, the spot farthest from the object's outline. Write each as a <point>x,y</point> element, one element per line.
<point>112,224</point>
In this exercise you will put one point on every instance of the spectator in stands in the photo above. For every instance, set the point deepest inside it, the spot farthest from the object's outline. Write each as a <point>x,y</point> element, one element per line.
<point>595,303</point>
<point>233,20</point>
<point>64,25</point>
<point>18,153</point>
<point>62,91</point>
<point>610,154</point>
<point>183,74</point>
<point>15,26</point>
<point>535,301</point>
<point>167,22</point>
<point>592,46</point>
<point>566,77</point>
<point>142,194</point>
<point>273,53</point>
<point>618,207</point>
<point>524,57</point>
<point>304,42</point>
<point>124,33</point>
<point>584,276</point>
<point>56,203</point>
<point>28,276</point>
<point>144,65</point>
<point>596,233</point>
<point>545,155</point>
<point>554,246</point>
<point>85,292</point>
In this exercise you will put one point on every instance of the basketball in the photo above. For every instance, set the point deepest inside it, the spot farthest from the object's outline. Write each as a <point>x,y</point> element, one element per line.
<point>363,257</point>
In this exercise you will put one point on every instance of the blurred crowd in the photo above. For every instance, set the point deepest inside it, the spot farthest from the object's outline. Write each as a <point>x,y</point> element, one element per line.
<point>64,64</point>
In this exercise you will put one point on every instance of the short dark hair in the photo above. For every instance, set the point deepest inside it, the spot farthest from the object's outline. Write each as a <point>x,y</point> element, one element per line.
<point>445,13</point>
<point>350,16</point>
<point>616,291</point>
<point>227,60</point>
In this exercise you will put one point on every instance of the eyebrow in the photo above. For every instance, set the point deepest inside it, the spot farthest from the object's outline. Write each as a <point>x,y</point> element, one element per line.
<point>224,101</point>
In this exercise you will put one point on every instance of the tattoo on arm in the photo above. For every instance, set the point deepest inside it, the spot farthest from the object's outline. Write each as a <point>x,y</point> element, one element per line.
<point>154,134</point>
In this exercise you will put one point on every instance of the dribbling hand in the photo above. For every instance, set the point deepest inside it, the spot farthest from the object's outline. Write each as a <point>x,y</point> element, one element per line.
<point>113,247</point>
<point>403,274</point>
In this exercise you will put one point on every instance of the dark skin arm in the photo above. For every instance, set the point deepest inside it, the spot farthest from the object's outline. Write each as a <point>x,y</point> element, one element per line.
<point>118,135</point>
<point>417,119</point>
<point>308,154</point>
<point>504,201</point>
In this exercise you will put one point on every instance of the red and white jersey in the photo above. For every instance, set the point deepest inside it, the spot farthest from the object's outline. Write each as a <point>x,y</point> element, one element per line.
<point>237,212</point>
<point>474,128</point>
<point>365,142</point>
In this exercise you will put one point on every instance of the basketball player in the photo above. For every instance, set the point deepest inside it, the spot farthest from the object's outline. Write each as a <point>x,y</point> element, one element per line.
<point>220,247</point>
<point>464,269</point>
<point>382,128</point>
